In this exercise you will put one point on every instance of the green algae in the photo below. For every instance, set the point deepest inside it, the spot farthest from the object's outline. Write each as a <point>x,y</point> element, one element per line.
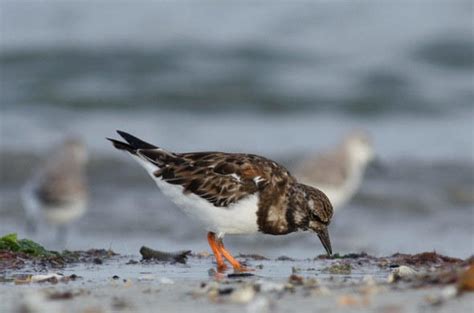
<point>339,269</point>
<point>11,242</point>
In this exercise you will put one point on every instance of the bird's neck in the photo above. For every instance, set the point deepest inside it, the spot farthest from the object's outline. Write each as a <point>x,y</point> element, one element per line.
<point>283,212</point>
<point>298,208</point>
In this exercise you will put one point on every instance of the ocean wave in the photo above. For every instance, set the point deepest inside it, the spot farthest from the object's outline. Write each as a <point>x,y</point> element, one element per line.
<point>285,58</point>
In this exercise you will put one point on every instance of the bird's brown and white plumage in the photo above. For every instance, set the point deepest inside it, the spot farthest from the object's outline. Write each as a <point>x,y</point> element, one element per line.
<point>234,193</point>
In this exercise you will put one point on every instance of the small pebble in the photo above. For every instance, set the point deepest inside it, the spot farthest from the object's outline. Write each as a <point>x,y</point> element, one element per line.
<point>52,278</point>
<point>65,295</point>
<point>203,254</point>
<point>402,273</point>
<point>449,292</point>
<point>243,295</point>
<point>296,279</point>
<point>226,291</point>
<point>146,277</point>
<point>132,262</point>
<point>211,272</point>
<point>269,286</point>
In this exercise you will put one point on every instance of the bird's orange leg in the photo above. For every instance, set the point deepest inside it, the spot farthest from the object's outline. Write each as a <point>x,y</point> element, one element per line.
<point>226,254</point>
<point>215,247</point>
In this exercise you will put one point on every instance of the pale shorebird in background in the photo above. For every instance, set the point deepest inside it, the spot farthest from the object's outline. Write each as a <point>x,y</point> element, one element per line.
<point>57,192</point>
<point>338,172</point>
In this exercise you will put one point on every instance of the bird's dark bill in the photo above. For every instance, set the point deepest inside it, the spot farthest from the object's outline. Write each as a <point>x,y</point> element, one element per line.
<point>324,237</point>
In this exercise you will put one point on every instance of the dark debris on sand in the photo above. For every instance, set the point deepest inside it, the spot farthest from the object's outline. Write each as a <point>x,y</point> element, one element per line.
<point>10,260</point>
<point>424,259</point>
<point>96,256</point>
<point>17,253</point>
<point>339,269</point>
<point>253,256</point>
<point>284,258</point>
<point>420,260</point>
<point>337,256</point>
<point>240,275</point>
<point>149,254</point>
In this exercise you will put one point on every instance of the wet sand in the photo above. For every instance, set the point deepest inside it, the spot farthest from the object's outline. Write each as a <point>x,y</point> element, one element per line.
<point>126,284</point>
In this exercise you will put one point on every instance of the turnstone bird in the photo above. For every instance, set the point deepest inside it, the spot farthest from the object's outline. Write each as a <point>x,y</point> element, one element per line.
<point>233,193</point>
<point>57,192</point>
<point>338,172</point>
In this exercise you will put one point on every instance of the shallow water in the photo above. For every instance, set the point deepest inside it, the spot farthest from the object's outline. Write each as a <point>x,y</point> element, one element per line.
<point>197,269</point>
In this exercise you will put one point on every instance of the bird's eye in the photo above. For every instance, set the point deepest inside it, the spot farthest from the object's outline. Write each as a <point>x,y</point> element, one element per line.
<point>316,217</point>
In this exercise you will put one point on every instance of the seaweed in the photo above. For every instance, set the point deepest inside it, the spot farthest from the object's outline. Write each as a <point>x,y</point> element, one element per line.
<point>424,259</point>
<point>17,253</point>
<point>11,243</point>
<point>339,268</point>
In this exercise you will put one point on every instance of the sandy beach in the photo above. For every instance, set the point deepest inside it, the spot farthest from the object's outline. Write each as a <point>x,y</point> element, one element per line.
<point>351,283</point>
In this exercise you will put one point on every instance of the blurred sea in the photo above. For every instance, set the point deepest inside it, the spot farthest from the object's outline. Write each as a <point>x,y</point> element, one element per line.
<point>281,79</point>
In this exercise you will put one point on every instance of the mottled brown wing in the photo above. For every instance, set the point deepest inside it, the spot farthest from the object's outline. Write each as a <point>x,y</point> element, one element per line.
<point>220,178</point>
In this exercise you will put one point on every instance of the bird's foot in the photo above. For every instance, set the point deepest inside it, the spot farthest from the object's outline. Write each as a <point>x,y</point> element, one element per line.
<point>222,267</point>
<point>243,269</point>
<point>238,268</point>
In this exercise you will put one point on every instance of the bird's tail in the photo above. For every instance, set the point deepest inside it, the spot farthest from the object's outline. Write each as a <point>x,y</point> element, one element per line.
<point>142,149</point>
<point>132,143</point>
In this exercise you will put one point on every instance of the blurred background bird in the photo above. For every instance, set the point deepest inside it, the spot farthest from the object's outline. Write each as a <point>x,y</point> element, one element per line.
<point>338,172</point>
<point>57,193</point>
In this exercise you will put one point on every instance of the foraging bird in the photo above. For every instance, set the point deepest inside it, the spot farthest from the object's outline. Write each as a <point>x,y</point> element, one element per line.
<point>338,172</point>
<point>57,193</point>
<point>233,193</point>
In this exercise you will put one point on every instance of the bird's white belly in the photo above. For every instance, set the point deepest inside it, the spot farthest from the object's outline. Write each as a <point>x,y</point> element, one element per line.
<point>35,209</point>
<point>64,214</point>
<point>239,218</point>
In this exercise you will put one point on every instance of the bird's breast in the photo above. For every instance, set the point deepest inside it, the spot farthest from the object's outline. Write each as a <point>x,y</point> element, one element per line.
<point>237,218</point>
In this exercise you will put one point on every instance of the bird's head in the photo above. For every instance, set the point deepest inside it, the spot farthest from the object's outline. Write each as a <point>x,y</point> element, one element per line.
<point>320,211</point>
